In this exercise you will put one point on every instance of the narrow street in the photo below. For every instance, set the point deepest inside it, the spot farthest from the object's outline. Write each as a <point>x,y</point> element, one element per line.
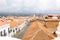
<point>20,34</point>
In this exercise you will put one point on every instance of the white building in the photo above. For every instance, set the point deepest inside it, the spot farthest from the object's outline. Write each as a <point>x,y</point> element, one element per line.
<point>4,29</point>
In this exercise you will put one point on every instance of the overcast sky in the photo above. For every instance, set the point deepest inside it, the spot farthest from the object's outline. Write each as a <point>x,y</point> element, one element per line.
<point>33,6</point>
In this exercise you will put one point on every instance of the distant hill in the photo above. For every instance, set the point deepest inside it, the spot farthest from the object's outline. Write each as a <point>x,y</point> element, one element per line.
<point>19,14</point>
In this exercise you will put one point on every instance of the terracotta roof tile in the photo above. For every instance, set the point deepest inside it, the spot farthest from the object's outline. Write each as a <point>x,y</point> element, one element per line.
<point>2,22</point>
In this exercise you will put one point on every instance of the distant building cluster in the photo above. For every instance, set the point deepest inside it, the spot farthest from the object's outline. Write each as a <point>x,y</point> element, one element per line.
<point>9,24</point>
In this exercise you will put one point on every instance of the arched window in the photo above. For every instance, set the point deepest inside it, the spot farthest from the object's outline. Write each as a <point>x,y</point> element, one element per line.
<point>13,30</point>
<point>1,33</point>
<point>9,30</point>
<point>4,32</point>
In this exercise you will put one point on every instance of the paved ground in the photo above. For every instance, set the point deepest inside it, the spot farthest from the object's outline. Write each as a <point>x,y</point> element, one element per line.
<point>22,31</point>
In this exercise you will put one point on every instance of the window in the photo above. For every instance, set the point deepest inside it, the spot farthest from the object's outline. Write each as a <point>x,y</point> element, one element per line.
<point>13,30</point>
<point>5,33</point>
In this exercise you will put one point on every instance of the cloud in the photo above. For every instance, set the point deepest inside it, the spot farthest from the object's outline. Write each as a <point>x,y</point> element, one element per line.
<point>3,3</point>
<point>29,5</point>
<point>58,4</point>
<point>10,5</point>
<point>39,5</point>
